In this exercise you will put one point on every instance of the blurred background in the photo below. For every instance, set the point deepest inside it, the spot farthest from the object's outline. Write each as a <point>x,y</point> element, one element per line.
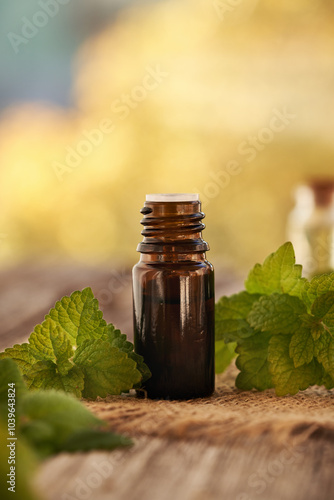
<point>105,101</point>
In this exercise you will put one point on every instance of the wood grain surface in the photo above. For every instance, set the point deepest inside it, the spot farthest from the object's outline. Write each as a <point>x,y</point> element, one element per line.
<point>156,469</point>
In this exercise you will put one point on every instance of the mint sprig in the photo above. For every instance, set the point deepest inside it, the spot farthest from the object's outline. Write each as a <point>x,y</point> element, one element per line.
<point>283,326</point>
<point>76,351</point>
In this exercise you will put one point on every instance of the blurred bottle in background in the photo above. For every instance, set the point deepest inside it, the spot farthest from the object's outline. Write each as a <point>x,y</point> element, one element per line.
<point>311,226</point>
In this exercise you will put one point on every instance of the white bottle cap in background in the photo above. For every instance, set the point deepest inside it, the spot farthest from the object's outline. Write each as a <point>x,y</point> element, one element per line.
<point>173,197</point>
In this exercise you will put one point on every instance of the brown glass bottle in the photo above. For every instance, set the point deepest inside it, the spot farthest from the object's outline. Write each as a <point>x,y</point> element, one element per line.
<point>173,296</point>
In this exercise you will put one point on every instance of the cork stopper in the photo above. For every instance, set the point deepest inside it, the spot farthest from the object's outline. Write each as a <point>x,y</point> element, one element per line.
<point>323,191</point>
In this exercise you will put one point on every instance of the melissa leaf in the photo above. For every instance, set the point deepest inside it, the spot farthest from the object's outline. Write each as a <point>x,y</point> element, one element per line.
<point>288,379</point>
<point>253,363</point>
<point>278,274</point>
<point>107,369</point>
<point>231,317</point>
<point>319,285</point>
<point>79,317</point>
<point>277,313</point>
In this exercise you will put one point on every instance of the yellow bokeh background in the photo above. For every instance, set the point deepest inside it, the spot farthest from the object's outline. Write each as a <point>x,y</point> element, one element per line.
<point>227,67</point>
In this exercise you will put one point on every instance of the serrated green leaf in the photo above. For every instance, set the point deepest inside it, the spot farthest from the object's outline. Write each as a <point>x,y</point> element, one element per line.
<point>296,318</point>
<point>253,364</point>
<point>323,331</point>
<point>323,308</point>
<point>119,340</point>
<point>79,317</point>
<point>94,439</point>
<point>278,274</point>
<point>45,361</point>
<point>327,381</point>
<point>224,353</point>
<point>51,417</point>
<point>318,286</point>
<point>50,342</point>
<point>231,317</point>
<point>107,369</point>
<point>288,379</point>
<point>277,313</point>
<point>141,367</point>
<point>301,348</point>
<point>21,354</point>
<point>45,375</point>
<point>324,351</point>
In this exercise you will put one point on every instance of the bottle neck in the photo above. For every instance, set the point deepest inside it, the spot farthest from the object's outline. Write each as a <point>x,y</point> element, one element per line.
<point>151,258</point>
<point>172,228</point>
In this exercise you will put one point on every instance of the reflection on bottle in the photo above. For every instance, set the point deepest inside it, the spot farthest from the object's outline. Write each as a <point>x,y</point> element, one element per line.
<point>311,226</point>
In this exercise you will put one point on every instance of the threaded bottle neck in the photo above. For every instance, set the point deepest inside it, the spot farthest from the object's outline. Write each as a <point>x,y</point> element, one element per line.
<point>172,227</point>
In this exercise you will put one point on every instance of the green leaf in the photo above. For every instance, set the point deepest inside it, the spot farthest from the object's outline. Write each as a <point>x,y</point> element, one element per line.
<point>318,286</point>
<point>119,340</point>
<point>141,367</point>
<point>50,342</point>
<point>327,381</point>
<point>94,439</point>
<point>224,353</point>
<point>46,360</point>
<point>323,331</point>
<point>288,379</point>
<point>107,369</point>
<point>324,351</point>
<point>323,308</point>
<point>45,375</point>
<point>317,330</point>
<point>277,313</point>
<point>79,317</point>
<point>301,348</point>
<point>253,364</point>
<point>51,417</point>
<point>231,317</point>
<point>10,374</point>
<point>278,274</point>
<point>47,354</point>
<point>285,333</point>
<point>22,356</point>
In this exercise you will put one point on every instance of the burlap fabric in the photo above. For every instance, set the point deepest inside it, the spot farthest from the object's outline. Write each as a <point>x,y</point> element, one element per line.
<point>228,414</point>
